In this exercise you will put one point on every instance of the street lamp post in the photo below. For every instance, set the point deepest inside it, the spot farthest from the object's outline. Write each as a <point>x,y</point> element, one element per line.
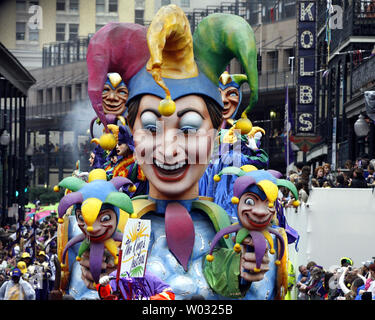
<point>4,142</point>
<point>361,129</point>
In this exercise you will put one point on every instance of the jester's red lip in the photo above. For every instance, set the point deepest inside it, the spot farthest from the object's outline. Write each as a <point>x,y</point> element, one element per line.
<point>98,238</point>
<point>256,222</point>
<point>170,173</point>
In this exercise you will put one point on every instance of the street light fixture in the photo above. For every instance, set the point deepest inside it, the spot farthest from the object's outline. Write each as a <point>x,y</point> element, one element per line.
<point>5,138</point>
<point>361,127</point>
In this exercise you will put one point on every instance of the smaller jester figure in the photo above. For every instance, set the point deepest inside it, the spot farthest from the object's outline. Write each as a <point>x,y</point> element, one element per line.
<point>97,209</point>
<point>255,192</point>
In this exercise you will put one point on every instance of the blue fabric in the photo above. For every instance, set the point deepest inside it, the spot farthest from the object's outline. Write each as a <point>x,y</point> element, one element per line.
<point>143,83</point>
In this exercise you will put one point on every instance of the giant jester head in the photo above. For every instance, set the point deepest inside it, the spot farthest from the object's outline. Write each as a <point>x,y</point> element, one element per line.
<point>97,202</point>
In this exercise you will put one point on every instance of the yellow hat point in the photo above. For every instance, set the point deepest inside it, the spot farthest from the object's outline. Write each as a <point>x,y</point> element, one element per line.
<point>134,216</point>
<point>116,261</point>
<point>97,174</point>
<point>270,205</point>
<point>296,203</point>
<point>56,188</point>
<point>244,124</point>
<point>132,188</point>
<point>62,265</point>
<point>107,141</point>
<point>226,236</point>
<point>167,107</point>
<point>237,247</point>
<point>256,270</point>
<point>217,178</point>
<point>210,258</point>
<point>272,251</point>
<point>78,258</point>
<point>90,228</point>
<point>277,262</point>
<point>60,220</point>
<point>235,200</point>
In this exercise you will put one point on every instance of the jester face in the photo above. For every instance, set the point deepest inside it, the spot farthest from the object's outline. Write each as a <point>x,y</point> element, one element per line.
<point>231,98</point>
<point>176,149</point>
<point>114,95</point>
<point>104,226</point>
<point>253,212</point>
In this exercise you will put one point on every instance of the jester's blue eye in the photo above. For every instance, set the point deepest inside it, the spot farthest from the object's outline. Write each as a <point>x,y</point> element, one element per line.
<point>190,121</point>
<point>149,121</point>
<point>250,201</point>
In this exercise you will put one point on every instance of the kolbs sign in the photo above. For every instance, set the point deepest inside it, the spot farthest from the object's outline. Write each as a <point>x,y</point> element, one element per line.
<point>306,45</point>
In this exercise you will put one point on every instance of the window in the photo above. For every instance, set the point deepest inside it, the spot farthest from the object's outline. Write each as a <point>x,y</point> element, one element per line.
<point>60,31</point>
<point>139,16</point>
<point>98,26</point>
<point>100,6</point>
<point>33,34</point>
<point>20,30</point>
<point>73,5</point>
<point>21,5</point>
<point>272,61</point>
<point>73,31</point>
<point>165,2</point>
<point>39,97</point>
<point>112,6</point>
<point>78,91</point>
<point>185,3</point>
<point>60,5</point>
<point>49,95</point>
<point>58,95</point>
<point>68,93</point>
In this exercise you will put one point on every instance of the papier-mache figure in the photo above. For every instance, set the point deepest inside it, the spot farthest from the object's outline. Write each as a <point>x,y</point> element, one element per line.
<point>234,148</point>
<point>98,219</point>
<point>255,192</point>
<point>174,110</point>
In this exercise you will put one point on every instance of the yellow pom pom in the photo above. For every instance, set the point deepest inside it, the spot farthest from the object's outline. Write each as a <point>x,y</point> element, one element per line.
<point>210,258</point>
<point>90,229</point>
<point>132,188</point>
<point>133,216</point>
<point>167,107</point>
<point>277,262</point>
<point>56,188</point>
<point>296,203</point>
<point>116,261</point>
<point>78,258</point>
<point>226,236</point>
<point>272,251</point>
<point>62,265</point>
<point>237,247</point>
<point>256,270</point>
<point>270,205</point>
<point>217,178</point>
<point>107,141</point>
<point>60,220</point>
<point>235,200</point>
<point>244,125</point>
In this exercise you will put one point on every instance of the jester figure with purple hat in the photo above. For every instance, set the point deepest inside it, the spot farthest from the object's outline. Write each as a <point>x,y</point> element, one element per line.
<point>255,192</point>
<point>100,213</point>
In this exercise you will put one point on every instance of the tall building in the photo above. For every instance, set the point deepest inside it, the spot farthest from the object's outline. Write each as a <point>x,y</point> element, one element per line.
<point>31,24</point>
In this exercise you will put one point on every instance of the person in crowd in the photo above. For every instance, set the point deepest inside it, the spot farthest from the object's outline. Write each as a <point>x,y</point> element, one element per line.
<point>319,176</point>
<point>302,192</point>
<point>341,182</point>
<point>370,178</point>
<point>16,288</point>
<point>302,279</point>
<point>358,180</point>
<point>328,174</point>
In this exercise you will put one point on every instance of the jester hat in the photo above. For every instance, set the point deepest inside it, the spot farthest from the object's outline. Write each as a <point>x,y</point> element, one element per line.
<point>181,64</point>
<point>116,48</point>
<point>264,183</point>
<point>94,194</point>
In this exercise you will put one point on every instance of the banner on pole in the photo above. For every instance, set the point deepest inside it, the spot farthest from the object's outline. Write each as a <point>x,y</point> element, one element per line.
<point>134,247</point>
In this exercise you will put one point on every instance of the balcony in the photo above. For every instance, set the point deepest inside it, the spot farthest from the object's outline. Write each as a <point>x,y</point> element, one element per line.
<point>358,20</point>
<point>363,74</point>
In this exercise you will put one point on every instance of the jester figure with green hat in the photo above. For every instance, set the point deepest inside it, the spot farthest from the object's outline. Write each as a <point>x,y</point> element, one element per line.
<point>234,148</point>
<point>94,227</point>
<point>174,112</point>
<point>255,192</point>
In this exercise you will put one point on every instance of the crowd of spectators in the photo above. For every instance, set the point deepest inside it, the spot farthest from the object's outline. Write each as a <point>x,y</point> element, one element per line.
<point>354,175</point>
<point>28,260</point>
<point>344,282</point>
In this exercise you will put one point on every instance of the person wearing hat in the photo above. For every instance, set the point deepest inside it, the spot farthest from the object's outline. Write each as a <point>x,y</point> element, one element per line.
<point>42,273</point>
<point>16,288</point>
